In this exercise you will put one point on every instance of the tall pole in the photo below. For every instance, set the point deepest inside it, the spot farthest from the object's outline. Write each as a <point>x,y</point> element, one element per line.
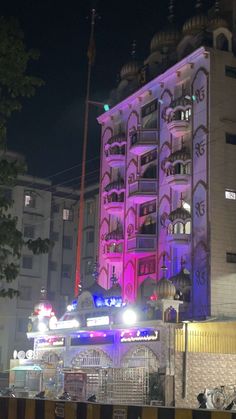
<point>85,140</point>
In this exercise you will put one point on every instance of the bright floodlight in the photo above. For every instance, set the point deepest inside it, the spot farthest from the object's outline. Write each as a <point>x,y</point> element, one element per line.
<point>42,327</point>
<point>53,323</point>
<point>75,323</point>
<point>129,316</point>
<point>106,107</point>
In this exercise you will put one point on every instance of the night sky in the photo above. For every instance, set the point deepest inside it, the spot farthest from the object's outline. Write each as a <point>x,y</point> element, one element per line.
<point>49,129</point>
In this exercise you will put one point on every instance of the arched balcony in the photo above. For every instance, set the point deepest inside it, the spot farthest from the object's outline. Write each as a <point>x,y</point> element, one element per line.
<point>115,150</point>
<point>178,169</point>
<point>179,228</point>
<point>113,251</point>
<point>114,242</point>
<point>114,202</point>
<point>179,117</point>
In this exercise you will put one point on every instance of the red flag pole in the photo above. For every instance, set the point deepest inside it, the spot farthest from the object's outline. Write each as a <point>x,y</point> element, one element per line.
<point>91,56</point>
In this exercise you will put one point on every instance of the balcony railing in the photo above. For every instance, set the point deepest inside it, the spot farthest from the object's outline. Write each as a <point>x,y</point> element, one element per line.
<point>142,190</point>
<point>142,140</point>
<point>142,243</point>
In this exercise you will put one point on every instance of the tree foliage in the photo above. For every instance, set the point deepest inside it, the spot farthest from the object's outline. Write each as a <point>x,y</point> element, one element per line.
<point>15,84</point>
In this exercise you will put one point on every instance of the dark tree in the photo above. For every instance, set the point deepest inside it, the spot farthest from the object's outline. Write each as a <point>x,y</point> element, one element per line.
<point>15,84</point>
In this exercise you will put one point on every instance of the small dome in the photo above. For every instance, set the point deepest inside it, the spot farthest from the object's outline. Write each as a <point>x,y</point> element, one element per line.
<point>95,289</point>
<point>116,234</point>
<point>117,138</point>
<point>182,280</point>
<point>165,289</point>
<point>180,155</point>
<point>195,24</point>
<point>114,291</point>
<point>167,38</point>
<point>116,184</point>
<point>217,22</point>
<point>129,70</point>
<point>179,213</point>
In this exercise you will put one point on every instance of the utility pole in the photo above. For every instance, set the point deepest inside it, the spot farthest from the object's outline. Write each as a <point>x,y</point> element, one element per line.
<point>91,56</point>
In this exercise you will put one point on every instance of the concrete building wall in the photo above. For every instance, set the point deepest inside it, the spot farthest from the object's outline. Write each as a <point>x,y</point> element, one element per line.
<point>222,177</point>
<point>55,271</point>
<point>204,370</point>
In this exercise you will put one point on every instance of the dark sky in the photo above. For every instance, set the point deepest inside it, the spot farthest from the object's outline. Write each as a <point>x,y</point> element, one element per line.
<point>49,128</point>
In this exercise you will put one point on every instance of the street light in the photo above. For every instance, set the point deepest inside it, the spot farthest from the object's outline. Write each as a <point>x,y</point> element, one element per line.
<point>105,106</point>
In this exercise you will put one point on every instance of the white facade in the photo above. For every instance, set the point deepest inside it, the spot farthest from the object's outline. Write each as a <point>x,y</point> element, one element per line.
<point>47,212</point>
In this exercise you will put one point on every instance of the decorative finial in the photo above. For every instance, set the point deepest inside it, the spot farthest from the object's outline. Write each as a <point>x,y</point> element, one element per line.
<point>181,200</point>
<point>198,5</point>
<point>217,7</point>
<point>43,293</point>
<point>182,263</point>
<point>95,273</point>
<point>113,278</point>
<point>171,11</point>
<point>163,267</point>
<point>133,50</point>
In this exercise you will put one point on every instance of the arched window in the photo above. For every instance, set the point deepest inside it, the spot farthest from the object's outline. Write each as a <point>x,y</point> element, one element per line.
<point>178,228</point>
<point>222,42</point>
<point>188,227</point>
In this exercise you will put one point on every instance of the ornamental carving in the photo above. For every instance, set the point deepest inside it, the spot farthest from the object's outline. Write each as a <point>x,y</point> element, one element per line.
<point>200,94</point>
<point>200,277</point>
<point>130,229</point>
<point>200,208</point>
<point>163,219</point>
<point>200,148</point>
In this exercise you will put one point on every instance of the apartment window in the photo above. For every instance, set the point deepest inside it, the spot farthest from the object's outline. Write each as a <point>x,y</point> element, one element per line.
<point>6,193</point>
<point>67,242</point>
<point>25,293</point>
<point>146,266</point>
<point>55,208</point>
<point>229,194</point>
<point>90,236</point>
<point>30,199</point>
<point>147,208</point>
<point>231,257</point>
<point>55,236</point>
<point>88,267</point>
<point>230,71</point>
<point>53,266</point>
<point>22,325</point>
<point>230,138</point>
<point>67,214</point>
<point>149,115</point>
<point>29,231</point>
<point>66,271</point>
<point>90,208</point>
<point>27,262</point>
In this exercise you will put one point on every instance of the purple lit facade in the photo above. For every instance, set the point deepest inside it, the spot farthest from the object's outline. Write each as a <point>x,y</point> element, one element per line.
<point>154,182</point>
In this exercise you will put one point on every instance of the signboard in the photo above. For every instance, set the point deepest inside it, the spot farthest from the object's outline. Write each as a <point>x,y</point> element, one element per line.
<point>140,336</point>
<point>50,341</point>
<point>92,340</point>
<point>98,321</point>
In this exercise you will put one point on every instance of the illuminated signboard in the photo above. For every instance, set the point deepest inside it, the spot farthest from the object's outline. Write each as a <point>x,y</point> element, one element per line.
<point>108,301</point>
<point>56,342</point>
<point>140,336</point>
<point>92,339</point>
<point>98,321</point>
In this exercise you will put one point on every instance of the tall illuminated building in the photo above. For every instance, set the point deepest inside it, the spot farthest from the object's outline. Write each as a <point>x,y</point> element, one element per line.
<point>168,184</point>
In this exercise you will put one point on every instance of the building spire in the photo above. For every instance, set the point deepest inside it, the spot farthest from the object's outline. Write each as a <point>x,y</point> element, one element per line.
<point>217,7</point>
<point>182,263</point>
<point>198,5</point>
<point>133,49</point>
<point>171,15</point>
<point>113,278</point>
<point>163,267</point>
